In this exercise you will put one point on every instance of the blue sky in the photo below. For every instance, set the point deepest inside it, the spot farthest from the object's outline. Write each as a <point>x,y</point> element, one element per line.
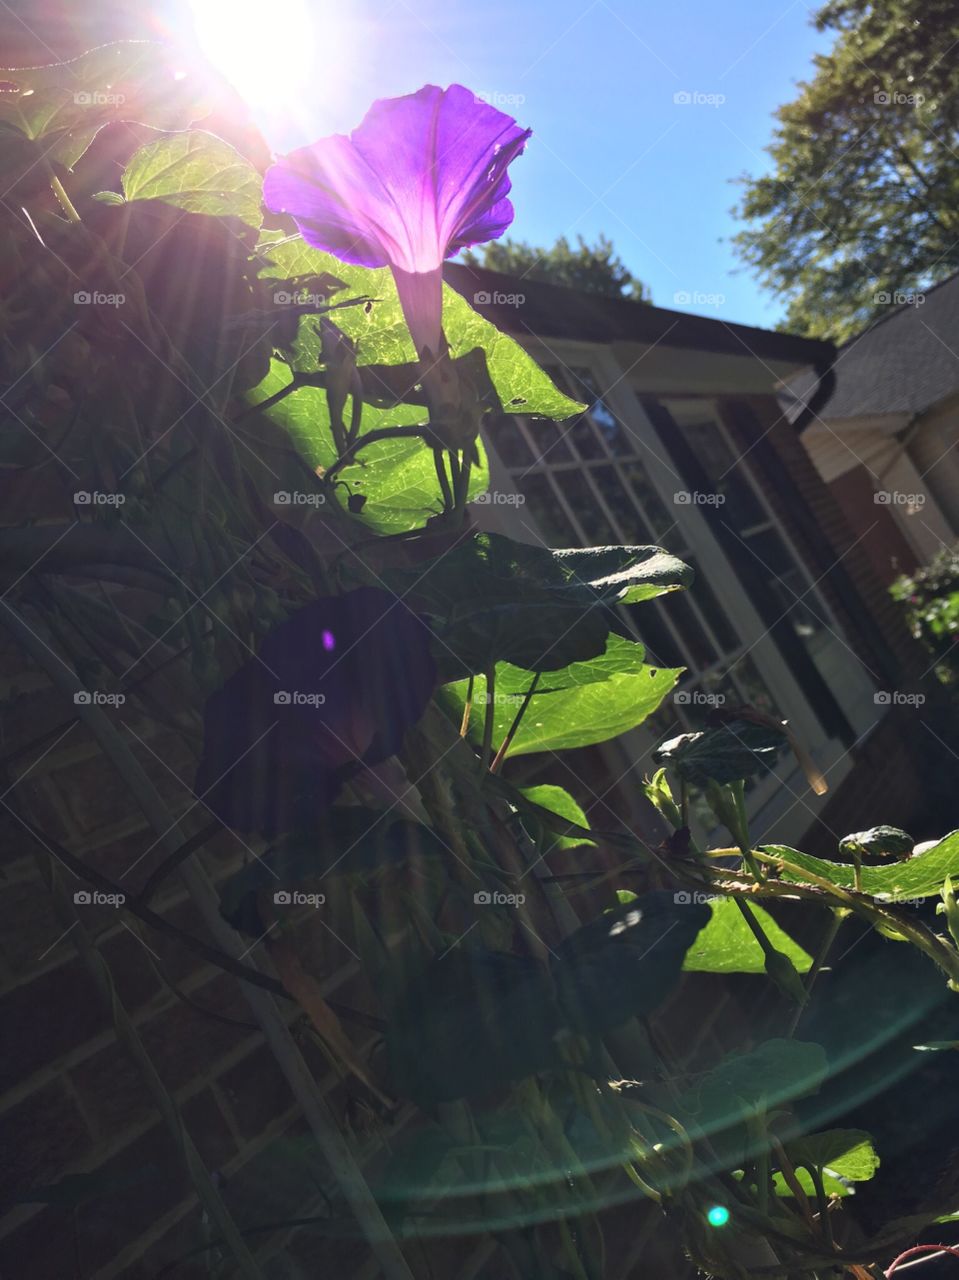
<point>595,79</point>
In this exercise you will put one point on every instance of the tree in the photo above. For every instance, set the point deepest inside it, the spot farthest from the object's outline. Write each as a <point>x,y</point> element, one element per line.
<point>863,201</point>
<point>596,268</point>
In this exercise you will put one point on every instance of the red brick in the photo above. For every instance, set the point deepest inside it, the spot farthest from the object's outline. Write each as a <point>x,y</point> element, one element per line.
<point>206,1125</point>
<point>112,1091</point>
<point>29,925</point>
<point>47,1017</point>
<point>41,1249</point>
<point>256,1092</point>
<point>38,1138</point>
<point>184,1043</point>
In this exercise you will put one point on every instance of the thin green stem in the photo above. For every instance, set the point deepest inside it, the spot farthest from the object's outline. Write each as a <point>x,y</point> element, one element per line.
<point>511,732</point>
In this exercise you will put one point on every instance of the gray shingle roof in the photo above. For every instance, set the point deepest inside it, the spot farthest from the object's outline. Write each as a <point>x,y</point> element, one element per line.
<point>903,363</point>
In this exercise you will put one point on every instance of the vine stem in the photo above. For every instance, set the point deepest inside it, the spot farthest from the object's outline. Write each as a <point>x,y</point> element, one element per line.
<point>487,749</point>
<point>825,946</point>
<point>511,732</point>
<point>61,194</point>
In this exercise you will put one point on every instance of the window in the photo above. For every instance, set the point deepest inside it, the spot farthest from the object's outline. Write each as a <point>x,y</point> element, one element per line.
<point>607,476</point>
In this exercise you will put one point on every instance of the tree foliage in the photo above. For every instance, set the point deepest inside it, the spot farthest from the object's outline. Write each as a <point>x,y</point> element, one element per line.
<point>861,204</point>
<point>595,268</point>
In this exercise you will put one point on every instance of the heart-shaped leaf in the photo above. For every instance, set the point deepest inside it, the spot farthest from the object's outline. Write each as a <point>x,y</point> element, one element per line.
<point>198,172</point>
<point>626,962</point>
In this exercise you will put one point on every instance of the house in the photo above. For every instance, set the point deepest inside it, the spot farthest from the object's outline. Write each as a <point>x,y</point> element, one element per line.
<point>884,438</point>
<point>685,445</point>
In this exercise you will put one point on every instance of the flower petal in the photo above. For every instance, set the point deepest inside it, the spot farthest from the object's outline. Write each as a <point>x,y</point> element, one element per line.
<point>420,177</point>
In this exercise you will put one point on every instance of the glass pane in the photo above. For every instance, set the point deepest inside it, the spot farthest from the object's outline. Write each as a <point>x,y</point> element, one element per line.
<point>712,610</point>
<point>584,438</point>
<point>634,529</point>
<point>585,507</point>
<point>661,523</point>
<point>550,440</point>
<point>648,620</point>
<point>787,581</point>
<point>741,509</point>
<point>617,439</point>
<point>505,436</point>
<point>544,510</point>
<point>687,624</point>
<point>751,685</point>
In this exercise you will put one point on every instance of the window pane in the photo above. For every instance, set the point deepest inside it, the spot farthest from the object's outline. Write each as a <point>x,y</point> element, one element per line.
<point>550,442</point>
<point>751,685</point>
<point>615,436</point>
<point>661,523</point>
<point>507,439</point>
<point>741,509</point>
<point>545,510</point>
<point>711,609</point>
<point>634,529</point>
<point>584,438</point>
<point>662,648</point>
<point>700,648</point>
<point>586,508</point>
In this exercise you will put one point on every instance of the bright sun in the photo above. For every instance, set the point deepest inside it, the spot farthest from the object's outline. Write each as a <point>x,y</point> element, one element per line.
<point>266,51</point>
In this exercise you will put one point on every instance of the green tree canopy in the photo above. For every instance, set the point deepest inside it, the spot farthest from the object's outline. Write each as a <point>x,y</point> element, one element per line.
<point>863,201</point>
<point>596,268</point>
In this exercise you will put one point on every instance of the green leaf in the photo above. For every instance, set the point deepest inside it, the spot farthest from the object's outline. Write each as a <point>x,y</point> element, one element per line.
<point>197,172</point>
<point>776,1071</point>
<point>846,1152</point>
<point>558,800</point>
<point>918,877</point>
<point>625,962</point>
<point>627,575</point>
<point>727,944</point>
<point>584,703</point>
<point>397,477</point>
<point>384,338</point>
<point>64,105</point>
<point>883,842</point>
<point>729,753</point>
<point>493,599</point>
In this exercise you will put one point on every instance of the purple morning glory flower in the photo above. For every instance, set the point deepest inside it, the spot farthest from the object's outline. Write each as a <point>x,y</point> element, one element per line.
<point>422,177</point>
<point>287,729</point>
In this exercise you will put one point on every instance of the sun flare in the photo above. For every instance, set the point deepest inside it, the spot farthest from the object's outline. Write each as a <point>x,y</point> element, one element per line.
<point>267,52</point>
